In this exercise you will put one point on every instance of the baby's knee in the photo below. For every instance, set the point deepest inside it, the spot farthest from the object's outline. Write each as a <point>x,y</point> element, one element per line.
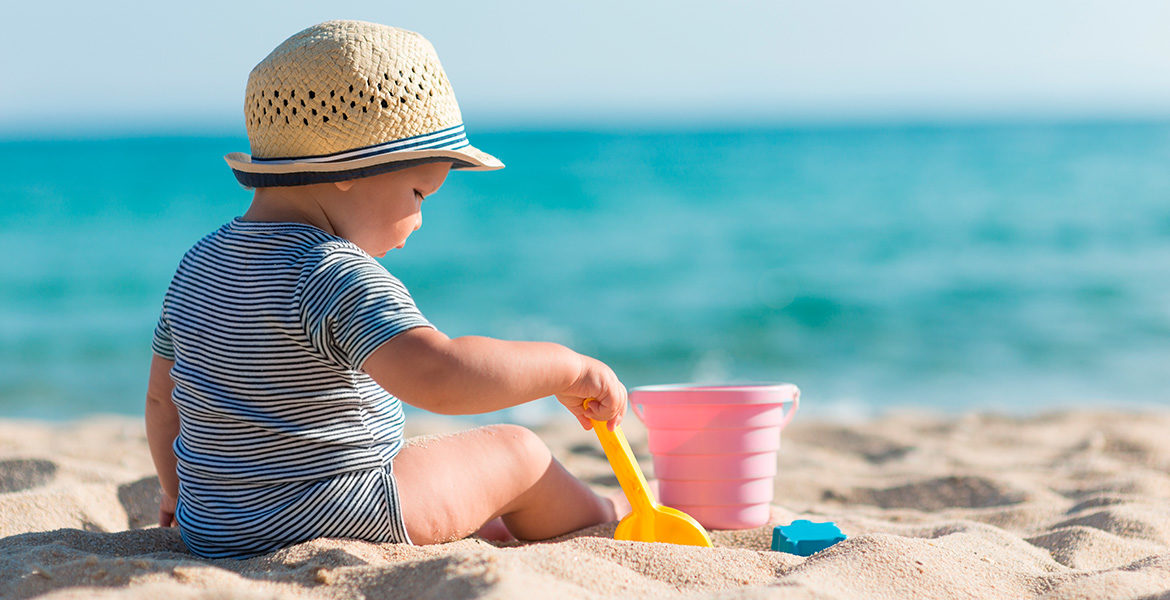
<point>522,444</point>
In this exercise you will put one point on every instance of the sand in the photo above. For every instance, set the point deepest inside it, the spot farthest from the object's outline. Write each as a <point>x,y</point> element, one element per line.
<point>1067,505</point>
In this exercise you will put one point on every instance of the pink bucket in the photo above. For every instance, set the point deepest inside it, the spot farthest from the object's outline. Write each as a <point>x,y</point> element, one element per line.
<point>714,447</point>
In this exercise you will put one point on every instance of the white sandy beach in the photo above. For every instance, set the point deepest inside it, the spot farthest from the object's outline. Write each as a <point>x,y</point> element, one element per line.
<point>1067,505</point>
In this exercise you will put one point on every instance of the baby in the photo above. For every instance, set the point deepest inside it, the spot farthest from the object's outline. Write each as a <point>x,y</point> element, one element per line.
<point>284,350</point>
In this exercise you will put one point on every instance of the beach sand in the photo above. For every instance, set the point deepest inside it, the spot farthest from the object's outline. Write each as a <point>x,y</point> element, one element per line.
<point>1064,505</point>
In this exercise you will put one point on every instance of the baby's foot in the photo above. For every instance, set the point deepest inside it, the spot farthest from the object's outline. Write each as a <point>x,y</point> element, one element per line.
<point>621,506</point>
<point>495,531</point>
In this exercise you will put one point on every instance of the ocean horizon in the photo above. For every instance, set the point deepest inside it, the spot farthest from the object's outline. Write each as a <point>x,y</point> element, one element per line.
<point>1016,266</point>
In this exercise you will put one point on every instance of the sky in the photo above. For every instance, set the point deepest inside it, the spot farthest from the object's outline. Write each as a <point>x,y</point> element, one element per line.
<point>79,67</point>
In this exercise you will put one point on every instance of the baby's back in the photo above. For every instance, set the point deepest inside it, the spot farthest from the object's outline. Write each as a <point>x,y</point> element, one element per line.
<point>268,325</point>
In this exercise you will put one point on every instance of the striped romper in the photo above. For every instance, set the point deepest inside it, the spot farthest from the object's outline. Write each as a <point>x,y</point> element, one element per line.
<point>282,437</point>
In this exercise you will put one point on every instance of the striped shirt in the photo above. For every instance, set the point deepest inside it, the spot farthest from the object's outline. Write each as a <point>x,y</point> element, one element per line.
<point>282,436</point>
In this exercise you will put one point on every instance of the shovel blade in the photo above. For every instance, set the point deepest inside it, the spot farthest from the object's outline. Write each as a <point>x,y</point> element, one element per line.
<point>662,524</point>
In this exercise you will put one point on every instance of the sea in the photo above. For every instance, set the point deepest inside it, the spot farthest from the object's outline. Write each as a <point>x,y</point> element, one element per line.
<point>1014,267</point>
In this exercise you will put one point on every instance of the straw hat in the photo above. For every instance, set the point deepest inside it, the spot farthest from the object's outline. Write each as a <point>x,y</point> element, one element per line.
<point>348,99</point>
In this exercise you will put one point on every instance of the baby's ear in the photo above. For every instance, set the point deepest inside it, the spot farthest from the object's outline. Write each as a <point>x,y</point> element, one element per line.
<point>344,185</point>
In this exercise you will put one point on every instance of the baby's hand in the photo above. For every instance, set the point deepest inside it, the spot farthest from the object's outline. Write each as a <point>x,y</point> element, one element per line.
<point>166,510</point>
<point>607,395</point>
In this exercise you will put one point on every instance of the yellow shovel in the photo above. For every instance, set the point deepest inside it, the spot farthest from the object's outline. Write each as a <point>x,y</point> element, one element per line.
<point>650,521</point>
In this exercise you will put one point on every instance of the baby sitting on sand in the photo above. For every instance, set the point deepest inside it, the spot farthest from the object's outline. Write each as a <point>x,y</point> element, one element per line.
<point>284,350</point>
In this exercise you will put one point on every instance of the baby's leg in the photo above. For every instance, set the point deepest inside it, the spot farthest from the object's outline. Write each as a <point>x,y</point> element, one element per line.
<point>451,485</point>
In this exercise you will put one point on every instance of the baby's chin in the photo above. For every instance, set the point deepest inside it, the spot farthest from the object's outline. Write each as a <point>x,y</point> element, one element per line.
<point>387,251</point>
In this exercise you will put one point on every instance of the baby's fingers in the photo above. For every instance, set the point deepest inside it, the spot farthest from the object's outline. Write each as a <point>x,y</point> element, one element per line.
<point>577,407</point>
<point>603,410</point>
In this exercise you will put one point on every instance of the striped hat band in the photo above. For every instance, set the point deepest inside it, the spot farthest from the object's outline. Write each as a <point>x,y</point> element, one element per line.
<point>444,139</point>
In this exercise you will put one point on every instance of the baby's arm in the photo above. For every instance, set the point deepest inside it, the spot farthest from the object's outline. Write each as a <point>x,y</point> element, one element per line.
<point>162,427</point>
<point>471,375</point>
<point>450,486</point>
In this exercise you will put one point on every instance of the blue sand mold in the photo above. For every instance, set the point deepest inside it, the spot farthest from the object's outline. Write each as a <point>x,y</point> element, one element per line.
<point>804,537</point>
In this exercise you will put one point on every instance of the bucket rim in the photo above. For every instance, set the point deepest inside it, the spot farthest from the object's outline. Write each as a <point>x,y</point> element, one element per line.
<point>701,393</point>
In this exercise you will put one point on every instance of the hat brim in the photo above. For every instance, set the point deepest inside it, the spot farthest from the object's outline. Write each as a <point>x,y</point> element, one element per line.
<point>292,172</point>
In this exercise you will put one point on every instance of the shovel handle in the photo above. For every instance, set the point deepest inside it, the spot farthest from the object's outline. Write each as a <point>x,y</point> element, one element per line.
<point>625,466</point>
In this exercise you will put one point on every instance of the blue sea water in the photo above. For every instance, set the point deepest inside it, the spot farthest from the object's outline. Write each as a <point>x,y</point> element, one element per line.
<point>1007,267</point>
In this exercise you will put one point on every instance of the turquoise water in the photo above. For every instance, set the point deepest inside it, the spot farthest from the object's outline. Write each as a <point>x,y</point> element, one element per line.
<point>1015,267</point>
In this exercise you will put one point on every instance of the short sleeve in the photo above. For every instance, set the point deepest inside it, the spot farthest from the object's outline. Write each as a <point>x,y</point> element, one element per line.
<point>162,344</point>
<point>351,305</point>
